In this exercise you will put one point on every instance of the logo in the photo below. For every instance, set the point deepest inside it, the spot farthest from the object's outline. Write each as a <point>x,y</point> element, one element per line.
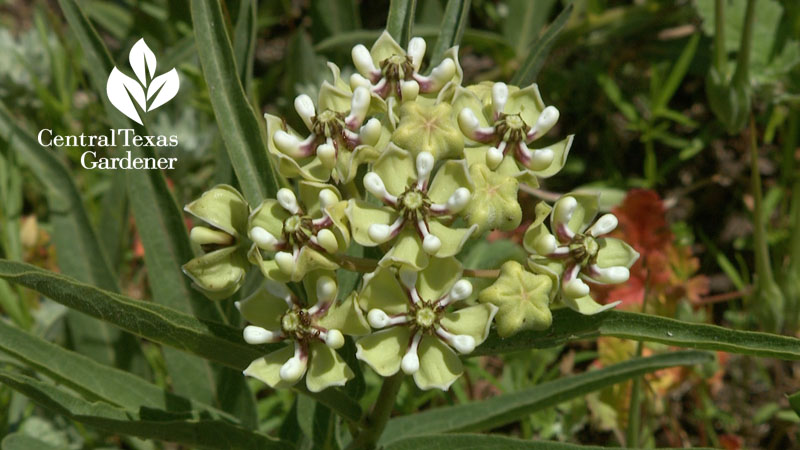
<point>149,92</point>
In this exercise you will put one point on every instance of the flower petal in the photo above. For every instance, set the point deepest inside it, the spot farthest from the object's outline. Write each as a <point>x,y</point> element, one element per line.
<point>615,252</point>
<point>582,216</point>
<point>397,169</point>
<point>326,368</point>
<point>453,239</point>
<point>382,290</point>
<point>407,250</point>
<point>384,350</point>
<point>223,207</point>
<point>537,228</point>
<point>334,98</point>
<point>263,309</point>
<point>346,317</point>
<point>473,321</point>
<point>586,305</point>
<point>362,214</point>
<point>560,152</point>
<point>525,102</point>
<point>439,366</point>
<point>450,176</point>
<point>437,279</point>
<point>268,368</point>
<point>218,274</point>
<point>270,216</point>
<point>385,47</point>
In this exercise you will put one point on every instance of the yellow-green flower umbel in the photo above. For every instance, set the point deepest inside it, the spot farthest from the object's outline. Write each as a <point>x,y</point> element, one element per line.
<point>575,252</point>
<point>338,140</point>
<point>416,214</point>
<point>313,330</point>
<point>220,272</point>
<point>292,237</point>
<point>504,121</point>
<point>421,318</point>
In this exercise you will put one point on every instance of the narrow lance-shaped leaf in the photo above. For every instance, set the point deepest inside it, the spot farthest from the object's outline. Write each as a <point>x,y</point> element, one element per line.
<point>541,48</point>
<point>210,340</point>
<point>194,430</point>
<point>400,21</point>
<point>483,441</point>
<point>508,408</point>
<point>163,233</point>
<point>236,119</point>
<point>454,22</point>
<point>569,325</point>
<point>79,252</point>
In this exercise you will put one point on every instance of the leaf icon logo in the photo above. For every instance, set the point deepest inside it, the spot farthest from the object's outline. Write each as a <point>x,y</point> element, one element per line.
<point>131,96</point>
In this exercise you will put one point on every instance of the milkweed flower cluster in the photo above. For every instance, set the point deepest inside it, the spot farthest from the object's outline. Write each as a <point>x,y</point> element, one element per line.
<point>410,166</point>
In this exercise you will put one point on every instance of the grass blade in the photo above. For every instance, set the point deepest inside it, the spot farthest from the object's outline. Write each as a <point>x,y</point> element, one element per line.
<point>569,325</point>
<point>454,22</point>
<point>400,21</point>
<point>676,75</point>
<point>237,121</point>
<point>193,430</point>
<point>508,408</point>
<point>541,48</point>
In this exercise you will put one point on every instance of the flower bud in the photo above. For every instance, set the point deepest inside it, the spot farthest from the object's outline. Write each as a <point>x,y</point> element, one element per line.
<point>458,200</point>
<point>363,60</point>
<point>334,339</point>
<point>416,51</point>
<point>431,244</point>
<point>288,201</point>
<point>257,335</point>
<point>305,108</point>
<point>203,235</point>
<point>263,239</point>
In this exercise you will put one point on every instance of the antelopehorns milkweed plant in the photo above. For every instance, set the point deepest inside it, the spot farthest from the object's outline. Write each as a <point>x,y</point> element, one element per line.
<point>413,166</point>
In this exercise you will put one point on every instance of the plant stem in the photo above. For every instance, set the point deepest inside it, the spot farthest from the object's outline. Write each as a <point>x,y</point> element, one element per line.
<point>375,422</point>
<point>742,74</point>
<point>720,55</point>
<point>482,273</point>
<point>634,419</point>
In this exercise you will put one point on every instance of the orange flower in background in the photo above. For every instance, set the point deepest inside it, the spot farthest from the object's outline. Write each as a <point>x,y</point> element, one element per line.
<point>664,269</point>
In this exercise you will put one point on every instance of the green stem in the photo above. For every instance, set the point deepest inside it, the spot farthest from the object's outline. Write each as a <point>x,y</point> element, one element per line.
<point>634,409</point>
<point>482,273</point>
<point>375,422</point>
<point>763,265</point>
<point>720,55</point>
<point>742,74</point>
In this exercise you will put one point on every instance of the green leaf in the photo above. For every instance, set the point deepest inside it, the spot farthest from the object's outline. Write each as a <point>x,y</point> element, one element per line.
<point>93,380</point>
<point>194,430</point>
<point>401,20</point>
<point>167,248</point>
<point>158,323</point>
<point>677,74</point>
<point>78,249</point>
<point>237,121</point>
<point>794,400</point>
<point>335,399</point>
<point>482,441</point>
<point>507,408</point>
<point>244,42</point>
<point>21,441</point>
<point>533,63</point>
<point>456,17</point>
<point>569,325</point>
<point>480,40</point>
<point>524,22</point>
<point>336,16</point>
<point>115,221</point>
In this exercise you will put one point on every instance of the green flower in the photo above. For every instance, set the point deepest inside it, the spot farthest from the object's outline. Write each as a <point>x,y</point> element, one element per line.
<point>429,128</point>
<point>522,297</point>
<point>576,252</point>
<point>291,237</point>
<point>416,214</point>
<point>220,272</point>
<point>494,203</point>
<point>338,140</point>
<point>508,119</point>
<point>392,74</point>
<point>313,329</point>
<point>419,323</point>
